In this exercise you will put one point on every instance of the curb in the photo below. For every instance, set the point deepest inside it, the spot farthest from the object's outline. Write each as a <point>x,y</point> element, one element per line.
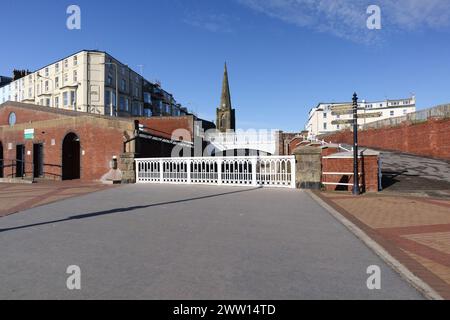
<point>416,282</point>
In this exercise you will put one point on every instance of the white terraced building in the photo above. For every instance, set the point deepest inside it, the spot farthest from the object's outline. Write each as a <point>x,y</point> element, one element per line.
<point>86,82</point>
<point>320,118</point>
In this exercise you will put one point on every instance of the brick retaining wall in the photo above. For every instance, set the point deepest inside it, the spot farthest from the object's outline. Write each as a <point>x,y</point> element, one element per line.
<point>430,138</point>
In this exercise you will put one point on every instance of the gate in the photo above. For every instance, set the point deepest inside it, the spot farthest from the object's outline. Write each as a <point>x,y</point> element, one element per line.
<point>271,171</point>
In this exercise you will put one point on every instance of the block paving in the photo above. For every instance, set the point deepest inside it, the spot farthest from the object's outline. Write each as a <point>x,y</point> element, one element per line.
<point>414,230</point>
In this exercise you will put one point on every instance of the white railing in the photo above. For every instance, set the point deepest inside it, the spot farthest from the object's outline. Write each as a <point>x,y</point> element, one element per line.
<point>272,171</point>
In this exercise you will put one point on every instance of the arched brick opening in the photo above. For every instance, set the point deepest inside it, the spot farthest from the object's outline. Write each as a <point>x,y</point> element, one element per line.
<point>71,166</point>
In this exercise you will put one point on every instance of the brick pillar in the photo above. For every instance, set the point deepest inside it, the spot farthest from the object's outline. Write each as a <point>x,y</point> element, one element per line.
<point>128,168</point>
<point>308,167</point>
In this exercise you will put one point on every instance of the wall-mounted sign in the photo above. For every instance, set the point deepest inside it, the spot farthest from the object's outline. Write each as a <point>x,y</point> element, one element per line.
<point>29,134</point>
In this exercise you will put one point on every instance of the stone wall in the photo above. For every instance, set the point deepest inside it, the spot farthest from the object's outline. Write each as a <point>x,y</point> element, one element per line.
<point>308,167</point>
<point>127,167</point>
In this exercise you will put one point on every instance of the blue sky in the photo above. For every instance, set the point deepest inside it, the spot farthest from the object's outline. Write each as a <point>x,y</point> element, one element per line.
<point>284,56</point>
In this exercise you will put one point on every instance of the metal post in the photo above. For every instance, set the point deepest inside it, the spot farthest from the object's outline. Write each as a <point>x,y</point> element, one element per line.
<point>356,190</point>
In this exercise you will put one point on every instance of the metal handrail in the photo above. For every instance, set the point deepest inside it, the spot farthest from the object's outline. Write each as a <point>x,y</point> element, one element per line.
<point>13,164</point>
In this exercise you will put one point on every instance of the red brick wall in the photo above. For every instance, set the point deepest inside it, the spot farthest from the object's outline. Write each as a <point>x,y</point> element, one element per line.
<point>100,139</point>
<point>165,126</point>
<point>25,115</point>
<point>329,151</point>
<point>294,144</point>
<point>430,139</point>
<point>368,166</point>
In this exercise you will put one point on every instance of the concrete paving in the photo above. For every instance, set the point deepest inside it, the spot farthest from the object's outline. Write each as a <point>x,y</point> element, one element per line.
<point>413,174</point>
<point>188,242</point>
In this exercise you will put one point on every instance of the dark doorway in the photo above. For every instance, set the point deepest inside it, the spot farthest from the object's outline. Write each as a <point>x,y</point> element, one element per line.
<point>1,160</point>
<point>71,157</point>
<point>38,160</point>
<point>20,161</point>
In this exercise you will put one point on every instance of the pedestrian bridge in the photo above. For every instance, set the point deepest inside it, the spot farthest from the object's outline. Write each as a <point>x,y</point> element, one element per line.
<point>265,171</point>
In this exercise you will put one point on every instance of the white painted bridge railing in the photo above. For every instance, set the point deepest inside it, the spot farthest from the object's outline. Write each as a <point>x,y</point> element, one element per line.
<point>271,171</point>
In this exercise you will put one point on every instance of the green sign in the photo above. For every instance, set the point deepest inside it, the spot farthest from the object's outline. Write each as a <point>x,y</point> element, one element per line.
<point>29,134</point>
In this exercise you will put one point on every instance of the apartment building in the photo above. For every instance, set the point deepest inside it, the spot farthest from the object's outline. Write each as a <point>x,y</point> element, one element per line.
<point>320,118</point>
<point>94,82</point>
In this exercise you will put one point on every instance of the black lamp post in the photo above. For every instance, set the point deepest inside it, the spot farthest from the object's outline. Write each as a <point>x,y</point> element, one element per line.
<point>356,190</point>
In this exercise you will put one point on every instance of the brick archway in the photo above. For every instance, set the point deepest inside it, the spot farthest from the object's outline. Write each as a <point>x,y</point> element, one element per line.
<point>71,160</point>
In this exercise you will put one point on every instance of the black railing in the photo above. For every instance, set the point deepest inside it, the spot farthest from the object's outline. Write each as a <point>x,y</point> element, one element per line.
<point>15,164</point>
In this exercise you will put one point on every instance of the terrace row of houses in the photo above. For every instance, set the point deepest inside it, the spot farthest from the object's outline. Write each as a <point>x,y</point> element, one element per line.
<point>90,81</point>
<point>320,120</point>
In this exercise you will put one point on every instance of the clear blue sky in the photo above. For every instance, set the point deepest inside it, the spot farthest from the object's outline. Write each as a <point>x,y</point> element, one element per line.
<point>284,56</point>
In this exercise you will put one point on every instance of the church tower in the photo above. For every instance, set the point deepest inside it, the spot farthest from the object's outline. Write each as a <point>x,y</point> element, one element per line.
<point>226,119</point>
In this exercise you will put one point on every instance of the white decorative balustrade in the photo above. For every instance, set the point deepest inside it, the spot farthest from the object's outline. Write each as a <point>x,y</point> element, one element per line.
<point>272,171</point>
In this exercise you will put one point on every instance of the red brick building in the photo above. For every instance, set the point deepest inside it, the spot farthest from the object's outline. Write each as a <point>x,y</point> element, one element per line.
<point>49,143</point>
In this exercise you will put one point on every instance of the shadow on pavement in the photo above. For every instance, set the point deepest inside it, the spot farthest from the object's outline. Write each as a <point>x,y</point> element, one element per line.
<point>126,209</point>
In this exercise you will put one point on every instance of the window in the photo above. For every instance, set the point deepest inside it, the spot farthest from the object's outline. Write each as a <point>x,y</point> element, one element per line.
<point>57,82</point>
<point>46,86</point>
<point>147,97</point>
<point>107,98</point>
<point>75,76</point>
<point>56,102</point>
<point>392,113</point>
<point>73,98</point>
<point>121,103</point>
<point>114,101</point>
<point>148,113</point>
<point>324,115</point>
<point>136,92</point>
<point>66,63</point>
<point>75,60</point>
<point>47,102</point>
<point>123,85</point>
<point>110,80</point>
<point>339,127</point>
<point>57,67</point>
<point>405,111</point>
<point>66,99</point>
<point>66,78</point>
<point>46,72</point>
<point>324,126</point>
<point>30,92</point>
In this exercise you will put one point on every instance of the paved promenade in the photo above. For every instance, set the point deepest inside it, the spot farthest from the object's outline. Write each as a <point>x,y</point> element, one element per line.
<point>19,197</point>
<point>188,242</point>
<point>415,230</point>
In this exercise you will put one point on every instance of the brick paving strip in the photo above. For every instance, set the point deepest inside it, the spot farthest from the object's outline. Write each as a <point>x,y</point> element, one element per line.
<point>414,239</point>
<point>34,195</point>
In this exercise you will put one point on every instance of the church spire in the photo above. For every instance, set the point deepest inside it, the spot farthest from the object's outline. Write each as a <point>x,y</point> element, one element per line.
<point>226,119</point>
<point>225,100</point>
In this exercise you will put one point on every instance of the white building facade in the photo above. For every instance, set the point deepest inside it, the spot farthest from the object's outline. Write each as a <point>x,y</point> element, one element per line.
<point>320,118</point>
<point>86,82</point>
